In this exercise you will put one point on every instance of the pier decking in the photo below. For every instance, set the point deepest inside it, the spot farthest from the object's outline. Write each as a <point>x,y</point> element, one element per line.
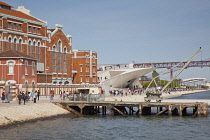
<point>135,108</point>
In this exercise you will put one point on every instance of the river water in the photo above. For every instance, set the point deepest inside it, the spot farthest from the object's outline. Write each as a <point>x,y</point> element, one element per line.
<point>117,127</point>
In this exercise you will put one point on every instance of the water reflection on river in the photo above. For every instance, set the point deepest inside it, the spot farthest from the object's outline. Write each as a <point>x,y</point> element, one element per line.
<point>118,127</point>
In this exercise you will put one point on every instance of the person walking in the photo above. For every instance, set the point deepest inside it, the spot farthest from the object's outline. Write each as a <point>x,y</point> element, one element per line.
<point>32,96</point>
<point>3,97</point>
<point>38,94</point>
<point>64,95</point>
<point>24,97</point>
<point>19,98</point>
<point>60,93</point>
<point>51,95</point>
<point>35,96</point>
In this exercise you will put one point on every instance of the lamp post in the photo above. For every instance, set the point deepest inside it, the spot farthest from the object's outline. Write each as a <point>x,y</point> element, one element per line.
<point>46,81</point>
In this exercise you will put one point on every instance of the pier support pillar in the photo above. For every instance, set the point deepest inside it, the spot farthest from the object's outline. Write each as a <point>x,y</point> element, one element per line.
<point>140,109</point>
<point>169,111</point>
<point>180,110</point>
<point>202,110</point>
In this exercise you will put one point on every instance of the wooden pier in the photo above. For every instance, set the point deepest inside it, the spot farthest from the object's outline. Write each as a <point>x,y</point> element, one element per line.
<point>135,108</point>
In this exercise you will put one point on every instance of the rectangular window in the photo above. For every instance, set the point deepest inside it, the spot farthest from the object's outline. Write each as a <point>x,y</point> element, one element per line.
<point>80,68</point>
<point>33,30</point>
<point>94,79</point>
<point>87,68</point>
<point>15,26</point>
<point>80,78</point>
<point>87,79</point>
<point>38,54</point>
<point>29,29</point>
<point>59,62</point>
<point>26,68</point>
<point>11,69</point>
<point>38,31</point>
<point>9,25</point>
<point>33,65</point>
<point>87,60</point>
<point>19,27</point>
<point>94,70</point>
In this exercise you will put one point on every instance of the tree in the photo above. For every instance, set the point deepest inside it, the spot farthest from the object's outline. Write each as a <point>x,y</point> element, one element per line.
<point>155,74</point>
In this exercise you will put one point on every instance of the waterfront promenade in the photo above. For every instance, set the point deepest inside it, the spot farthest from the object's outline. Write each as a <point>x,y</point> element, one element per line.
<point>138,97</point>
<point>13,112</point>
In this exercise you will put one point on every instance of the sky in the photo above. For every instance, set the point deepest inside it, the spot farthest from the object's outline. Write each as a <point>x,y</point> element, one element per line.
<point>123,31</point>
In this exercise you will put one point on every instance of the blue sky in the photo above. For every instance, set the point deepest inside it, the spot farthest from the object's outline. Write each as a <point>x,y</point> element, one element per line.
<point>122,31</point>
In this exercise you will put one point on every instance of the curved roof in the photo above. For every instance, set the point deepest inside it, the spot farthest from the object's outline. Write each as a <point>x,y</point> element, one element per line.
<point>193,80</point>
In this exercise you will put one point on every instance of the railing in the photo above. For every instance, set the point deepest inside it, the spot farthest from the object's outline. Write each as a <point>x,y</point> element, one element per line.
<point>88,97</point>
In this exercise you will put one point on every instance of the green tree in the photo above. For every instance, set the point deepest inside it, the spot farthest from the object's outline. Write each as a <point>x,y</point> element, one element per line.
<point>155,74</point>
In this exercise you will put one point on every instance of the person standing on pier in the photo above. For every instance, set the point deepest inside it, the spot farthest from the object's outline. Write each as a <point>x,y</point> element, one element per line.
<point>38,94</point>
<point>3,97</point>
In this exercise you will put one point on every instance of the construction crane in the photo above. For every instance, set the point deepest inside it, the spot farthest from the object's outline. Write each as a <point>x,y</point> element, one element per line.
<point>154,93</point>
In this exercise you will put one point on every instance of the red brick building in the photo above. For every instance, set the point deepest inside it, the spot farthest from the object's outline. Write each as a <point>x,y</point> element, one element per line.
<point>47,52</point>
<point>18,70</point>
<point>59,56</point>
<point>85,66</point>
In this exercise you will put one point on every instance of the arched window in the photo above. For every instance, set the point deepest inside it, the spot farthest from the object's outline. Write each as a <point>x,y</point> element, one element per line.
<point>33,68</point>
<point>59,55</point>
<point>26,67</point>
<point>54,60</point>
<point>38,51</point>
<point>34,49</point>
<point>11,67</point>
<point>15,44</point>
<point>10,43</point>
<point>29,48</point>
<point>26,85</point>
<point>64,61</point>
<point>33,86</point>
<point>59,46</point>
<point>20,45</point>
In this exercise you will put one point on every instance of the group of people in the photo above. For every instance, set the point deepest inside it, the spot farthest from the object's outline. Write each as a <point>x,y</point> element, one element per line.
<point>65,94</point>
<point>26,96</point>
<point>126,92</point>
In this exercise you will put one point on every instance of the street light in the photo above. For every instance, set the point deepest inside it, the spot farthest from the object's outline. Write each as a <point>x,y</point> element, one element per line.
<point>46,81</point>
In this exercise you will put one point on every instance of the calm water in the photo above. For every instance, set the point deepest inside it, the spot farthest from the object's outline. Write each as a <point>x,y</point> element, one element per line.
<point>107,128</point>
<point>200,95</point>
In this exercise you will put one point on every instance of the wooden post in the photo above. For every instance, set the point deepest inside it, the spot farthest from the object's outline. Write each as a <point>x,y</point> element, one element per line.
<point>169,110</point>
<point>140,109</point>
<point>110,110</point>
<point>180,110</point>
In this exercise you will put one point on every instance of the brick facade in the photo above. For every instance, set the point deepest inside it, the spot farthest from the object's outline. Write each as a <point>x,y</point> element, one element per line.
<point>85,66</point>
<point>50,51</point>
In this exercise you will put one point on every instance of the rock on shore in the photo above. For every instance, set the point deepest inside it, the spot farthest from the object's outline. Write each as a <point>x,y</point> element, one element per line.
<point>22,113</point>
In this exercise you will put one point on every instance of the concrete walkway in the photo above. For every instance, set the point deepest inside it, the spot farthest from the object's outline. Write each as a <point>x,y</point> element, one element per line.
<point>12,112</point>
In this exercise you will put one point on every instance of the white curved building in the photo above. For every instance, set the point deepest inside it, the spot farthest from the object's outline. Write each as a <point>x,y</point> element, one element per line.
<point>121,78</point>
